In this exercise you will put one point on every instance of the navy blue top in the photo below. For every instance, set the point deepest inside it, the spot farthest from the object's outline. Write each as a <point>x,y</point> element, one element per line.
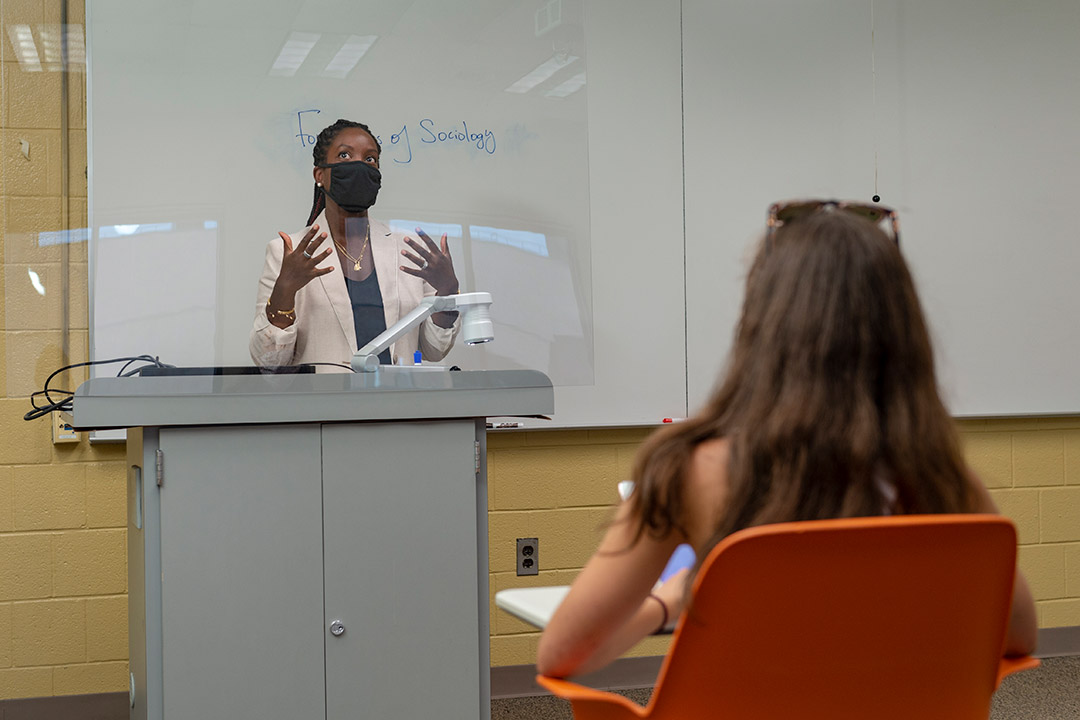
<point>367,310</point>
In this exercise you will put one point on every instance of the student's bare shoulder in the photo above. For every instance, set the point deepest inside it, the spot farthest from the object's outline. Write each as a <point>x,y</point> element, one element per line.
<point>711,457</point>
<point>706,486</point>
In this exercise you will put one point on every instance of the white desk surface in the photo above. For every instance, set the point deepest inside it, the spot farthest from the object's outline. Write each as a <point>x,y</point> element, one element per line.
<point>534,605</point>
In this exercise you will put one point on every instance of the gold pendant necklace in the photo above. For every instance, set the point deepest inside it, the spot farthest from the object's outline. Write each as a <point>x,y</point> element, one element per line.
<point>356,260</point>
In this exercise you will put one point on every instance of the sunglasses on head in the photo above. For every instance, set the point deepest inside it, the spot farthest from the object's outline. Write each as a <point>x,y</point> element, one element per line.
<point>780,214</point>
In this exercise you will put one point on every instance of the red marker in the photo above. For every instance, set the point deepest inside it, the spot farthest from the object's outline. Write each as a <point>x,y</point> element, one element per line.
<point>673,420</point>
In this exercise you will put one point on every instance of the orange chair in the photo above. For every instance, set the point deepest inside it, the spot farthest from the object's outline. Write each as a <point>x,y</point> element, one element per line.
<point>897,618</point>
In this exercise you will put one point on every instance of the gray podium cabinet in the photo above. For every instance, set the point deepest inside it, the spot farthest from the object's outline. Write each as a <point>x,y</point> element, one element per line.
<point>309,546</point>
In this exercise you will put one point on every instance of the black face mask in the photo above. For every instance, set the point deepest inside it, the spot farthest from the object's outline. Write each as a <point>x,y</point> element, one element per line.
<point>353,185</point>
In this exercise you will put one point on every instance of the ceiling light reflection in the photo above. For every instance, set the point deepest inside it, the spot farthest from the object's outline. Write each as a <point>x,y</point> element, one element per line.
<point>349,55</point>
<point>114,231</point>
<point>50,36</point>
<point>567,87</point>
<point>293,53</point>
<point>61,47</point>
<point>433,230</point>
<point>75,38</point>
<point>22,41</point>
<point>542,72</point>
<point>530,242</point>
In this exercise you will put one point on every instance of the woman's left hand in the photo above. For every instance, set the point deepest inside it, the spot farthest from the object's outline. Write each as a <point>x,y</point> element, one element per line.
<point>433,263</point>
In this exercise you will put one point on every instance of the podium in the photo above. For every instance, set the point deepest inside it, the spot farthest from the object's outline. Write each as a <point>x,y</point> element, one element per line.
<point>309,546</point>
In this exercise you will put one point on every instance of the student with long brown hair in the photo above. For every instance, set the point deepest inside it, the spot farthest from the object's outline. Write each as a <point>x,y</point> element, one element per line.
<point>828,408</point>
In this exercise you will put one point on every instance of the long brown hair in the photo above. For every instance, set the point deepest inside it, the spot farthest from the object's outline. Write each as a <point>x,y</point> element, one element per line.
<point>829,396</point>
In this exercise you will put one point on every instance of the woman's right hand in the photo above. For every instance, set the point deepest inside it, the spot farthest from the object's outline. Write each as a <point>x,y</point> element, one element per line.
<point>299,266</point>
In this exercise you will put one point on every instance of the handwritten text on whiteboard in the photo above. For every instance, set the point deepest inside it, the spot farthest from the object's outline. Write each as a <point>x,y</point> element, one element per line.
<point>425,132</point>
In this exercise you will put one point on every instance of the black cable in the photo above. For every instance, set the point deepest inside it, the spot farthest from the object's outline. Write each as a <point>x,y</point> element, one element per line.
<point>65,403</point>
<point>332,364</point>
<point>65,397</point>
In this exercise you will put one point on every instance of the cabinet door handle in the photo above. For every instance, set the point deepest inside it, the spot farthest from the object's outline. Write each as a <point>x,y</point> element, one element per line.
<point>337,628</point>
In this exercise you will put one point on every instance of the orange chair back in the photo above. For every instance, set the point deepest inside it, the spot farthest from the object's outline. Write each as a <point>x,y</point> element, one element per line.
<point>897,618</point>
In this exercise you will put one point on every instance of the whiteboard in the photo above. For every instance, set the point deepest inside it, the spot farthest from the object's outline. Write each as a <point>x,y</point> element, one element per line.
<point>513,126</point>
<point>962,115</point>
<point>646,186</point>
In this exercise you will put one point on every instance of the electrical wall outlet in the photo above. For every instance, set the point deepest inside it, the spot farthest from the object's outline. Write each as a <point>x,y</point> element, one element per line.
<point>528,556</point>
<point>62,431</point>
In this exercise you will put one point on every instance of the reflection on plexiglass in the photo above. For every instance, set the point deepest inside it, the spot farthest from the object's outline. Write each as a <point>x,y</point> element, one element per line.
<point>178,321</point>
<point>488,145</point>
<point>540,314</point>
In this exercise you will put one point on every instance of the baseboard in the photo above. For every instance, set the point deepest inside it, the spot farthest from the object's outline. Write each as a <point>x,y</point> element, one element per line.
<point>509,681</point>
<point>1058,641</point>
<point>102,706</point>
<point>513,681</point>
<point>519,680</point>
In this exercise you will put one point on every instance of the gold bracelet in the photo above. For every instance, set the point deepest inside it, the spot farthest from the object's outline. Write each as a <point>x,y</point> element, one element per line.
<point>289,314</point>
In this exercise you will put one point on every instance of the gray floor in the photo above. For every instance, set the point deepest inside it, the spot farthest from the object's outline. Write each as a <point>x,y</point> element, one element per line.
<point>1050,692</point>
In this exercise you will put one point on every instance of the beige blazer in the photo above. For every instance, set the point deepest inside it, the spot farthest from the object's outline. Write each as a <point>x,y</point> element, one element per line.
<point>324,330</point>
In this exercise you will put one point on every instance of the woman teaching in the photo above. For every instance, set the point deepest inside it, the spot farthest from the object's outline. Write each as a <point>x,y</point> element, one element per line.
<point>828,408</point>
<point>319,302</point>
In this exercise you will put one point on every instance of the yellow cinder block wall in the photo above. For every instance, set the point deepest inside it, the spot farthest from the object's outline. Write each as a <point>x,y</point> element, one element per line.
<point>63,575</point>
<point>63,602</point>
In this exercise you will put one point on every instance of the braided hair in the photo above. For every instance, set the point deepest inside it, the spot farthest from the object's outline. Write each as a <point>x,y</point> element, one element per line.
<point>318,152</point>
